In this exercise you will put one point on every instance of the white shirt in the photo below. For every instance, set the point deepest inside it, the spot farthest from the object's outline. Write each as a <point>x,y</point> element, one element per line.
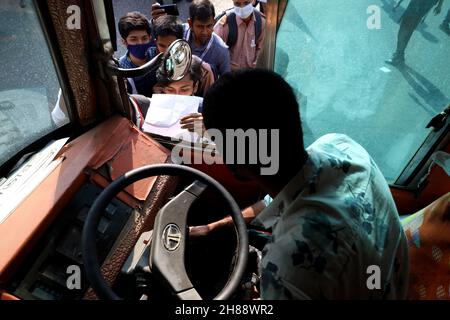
<point>334,220</point>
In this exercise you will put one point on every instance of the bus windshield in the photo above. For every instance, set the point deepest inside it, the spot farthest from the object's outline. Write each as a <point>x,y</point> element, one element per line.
<point>376,70</point>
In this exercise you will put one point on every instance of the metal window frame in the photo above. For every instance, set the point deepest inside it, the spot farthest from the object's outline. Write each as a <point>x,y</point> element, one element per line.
<point>103,14</point>
<point>266,59</point>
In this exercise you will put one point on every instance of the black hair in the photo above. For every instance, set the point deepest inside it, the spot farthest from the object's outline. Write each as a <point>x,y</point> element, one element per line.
<point>201,10</point>
<point>168,26</point>
<point>256,99</point>
<point>133,21</point>
<point>195,70</point>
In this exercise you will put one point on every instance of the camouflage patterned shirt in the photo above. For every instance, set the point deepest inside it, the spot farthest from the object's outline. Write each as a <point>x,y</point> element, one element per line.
<point>336,233</point>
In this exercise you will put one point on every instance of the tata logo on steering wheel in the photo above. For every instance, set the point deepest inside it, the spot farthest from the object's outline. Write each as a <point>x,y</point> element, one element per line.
<point>172,237</point>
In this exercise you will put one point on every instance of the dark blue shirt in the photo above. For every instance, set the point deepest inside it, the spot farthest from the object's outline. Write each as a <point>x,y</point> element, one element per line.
<point>217,55</point>
<point>139,85</point>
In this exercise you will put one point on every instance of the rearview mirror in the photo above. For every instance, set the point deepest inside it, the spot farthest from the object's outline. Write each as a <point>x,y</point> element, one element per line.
<point>177,61</point>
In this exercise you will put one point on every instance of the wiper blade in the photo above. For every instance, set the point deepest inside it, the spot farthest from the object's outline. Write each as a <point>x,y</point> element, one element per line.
<point>19,163</point>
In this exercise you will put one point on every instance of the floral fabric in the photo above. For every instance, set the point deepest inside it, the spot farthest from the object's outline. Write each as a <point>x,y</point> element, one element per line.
<point>331,224</point>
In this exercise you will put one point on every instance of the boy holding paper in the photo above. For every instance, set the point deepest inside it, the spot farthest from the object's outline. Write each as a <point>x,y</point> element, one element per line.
<point>187,86</point>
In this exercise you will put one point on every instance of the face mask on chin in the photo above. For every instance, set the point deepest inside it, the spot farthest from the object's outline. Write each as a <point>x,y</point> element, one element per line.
<point>244,12</point>
<point>139,50</point>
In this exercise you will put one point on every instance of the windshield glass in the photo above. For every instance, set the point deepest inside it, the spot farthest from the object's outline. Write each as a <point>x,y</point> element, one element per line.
<point>334,55</point>
<point>29,88</point>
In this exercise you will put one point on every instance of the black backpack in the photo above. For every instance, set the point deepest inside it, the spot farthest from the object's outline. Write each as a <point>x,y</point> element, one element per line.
<point>232,25</point>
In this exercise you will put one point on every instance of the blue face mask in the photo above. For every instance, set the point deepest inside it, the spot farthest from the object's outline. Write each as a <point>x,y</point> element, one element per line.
<point>140,51</point>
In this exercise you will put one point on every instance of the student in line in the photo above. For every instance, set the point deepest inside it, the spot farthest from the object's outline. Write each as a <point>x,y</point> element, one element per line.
<point>135,31</point>
<point>187,86</point>
<point>242,29</point>
<point>204,42</point>
<point>199,33</point>
<point>167,29</point>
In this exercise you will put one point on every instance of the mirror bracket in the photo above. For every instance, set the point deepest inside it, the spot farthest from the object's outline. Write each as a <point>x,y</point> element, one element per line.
<point>113,70</point>
<point>173,65</point>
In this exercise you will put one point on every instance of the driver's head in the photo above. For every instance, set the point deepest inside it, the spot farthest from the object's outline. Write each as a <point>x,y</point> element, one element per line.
<point>201,20</point>
<point>256,99</point>
<point>167,29</point>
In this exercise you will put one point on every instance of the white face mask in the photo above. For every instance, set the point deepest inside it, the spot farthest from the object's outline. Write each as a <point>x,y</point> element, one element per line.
<point>244,12</point>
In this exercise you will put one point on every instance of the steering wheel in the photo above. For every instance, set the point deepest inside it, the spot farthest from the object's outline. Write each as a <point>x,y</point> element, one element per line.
<point>167,251</point>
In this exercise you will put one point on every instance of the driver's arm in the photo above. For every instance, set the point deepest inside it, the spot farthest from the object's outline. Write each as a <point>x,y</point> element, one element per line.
<point>248,213</point>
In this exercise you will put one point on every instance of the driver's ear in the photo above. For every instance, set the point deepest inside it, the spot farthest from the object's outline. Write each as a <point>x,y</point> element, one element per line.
<point>124,42</point>
<point>191,24</point>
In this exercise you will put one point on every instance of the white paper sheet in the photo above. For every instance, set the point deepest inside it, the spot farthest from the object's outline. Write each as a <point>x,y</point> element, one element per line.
<point>166,110</point>
<point>21,183</point>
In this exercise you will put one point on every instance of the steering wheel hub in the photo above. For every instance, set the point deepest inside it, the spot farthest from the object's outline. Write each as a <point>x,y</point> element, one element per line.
<point>172,237</point>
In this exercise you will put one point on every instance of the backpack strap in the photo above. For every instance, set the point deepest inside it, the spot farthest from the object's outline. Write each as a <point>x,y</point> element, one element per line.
<point>220,16</point>
<point>258,24</point>
<point>229,17</point>
<point>232,28</point>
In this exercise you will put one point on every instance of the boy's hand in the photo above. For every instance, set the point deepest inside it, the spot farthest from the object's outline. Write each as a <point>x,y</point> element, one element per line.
<point>193,122</point>
<point>199,231</point>
<point>157,11</point>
